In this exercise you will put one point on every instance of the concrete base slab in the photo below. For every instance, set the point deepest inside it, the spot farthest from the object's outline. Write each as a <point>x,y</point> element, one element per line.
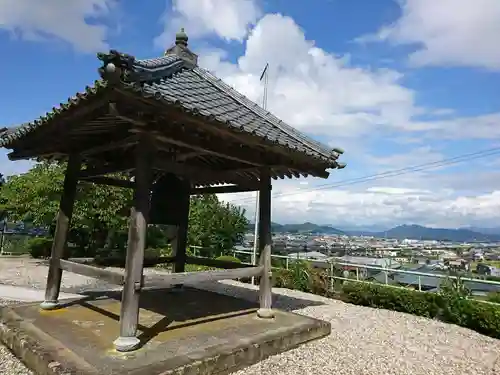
<point>19,293</point>
<point>194,332</point>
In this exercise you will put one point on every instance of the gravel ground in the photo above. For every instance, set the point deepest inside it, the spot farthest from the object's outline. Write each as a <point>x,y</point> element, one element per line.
<point>363,340</point>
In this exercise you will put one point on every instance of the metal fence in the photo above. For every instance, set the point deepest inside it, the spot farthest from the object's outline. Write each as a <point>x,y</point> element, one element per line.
<point>377,274</point>
<point>14,243</point>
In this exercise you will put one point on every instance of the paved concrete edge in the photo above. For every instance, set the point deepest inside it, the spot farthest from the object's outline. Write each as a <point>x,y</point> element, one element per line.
<point>223,360</point>
<point>24,294</point>
<point>25,341</point>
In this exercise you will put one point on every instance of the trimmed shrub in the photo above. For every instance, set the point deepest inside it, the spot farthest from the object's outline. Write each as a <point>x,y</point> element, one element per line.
<point>391,298</point>
<point>117,257</point>
<point>228,258</point>
<point>300,276</point>
<point>40,247</point>
<point>493,297</point>
<point>479,316</point>
<point>451,305</point>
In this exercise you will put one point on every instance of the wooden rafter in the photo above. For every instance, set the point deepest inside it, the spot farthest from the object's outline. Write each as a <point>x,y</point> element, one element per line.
<point>170,131</point>
<point>102,180</point>
<point>202,174</point>
<point>173,114</point>
<point>223,189</point>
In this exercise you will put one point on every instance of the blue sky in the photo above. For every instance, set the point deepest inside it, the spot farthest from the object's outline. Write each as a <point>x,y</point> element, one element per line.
<point>394,83</point>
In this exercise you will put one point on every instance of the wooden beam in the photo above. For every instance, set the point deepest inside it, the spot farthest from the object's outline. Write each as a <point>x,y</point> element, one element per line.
<point>172,279</point>
<point>209,262</point>
<point>265,243</point>
<point>64,215</point>
<point>223,189</point>
<point>179,137</point>
<point>129,141</point>
<point>103,170</point>
<point>111,277</point>
<point>163,135</point>
<point>204,149</point>
<point>85,146</point>
<point>202,174</point>
<point>109,181</point>
<point>189,155</point>
<point>179,244</point>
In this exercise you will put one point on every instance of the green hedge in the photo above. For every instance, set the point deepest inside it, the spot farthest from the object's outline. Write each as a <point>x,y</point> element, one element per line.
<point>110,258</point>
<point>40,247</point>
<point>116,257</point>
<point>397,299</point>
<point>450,306</point>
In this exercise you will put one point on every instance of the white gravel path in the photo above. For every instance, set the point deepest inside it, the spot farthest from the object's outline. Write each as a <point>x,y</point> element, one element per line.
<point>363,340</point>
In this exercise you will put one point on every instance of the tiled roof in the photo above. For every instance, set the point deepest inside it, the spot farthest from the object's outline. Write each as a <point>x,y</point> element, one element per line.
<point>14,133</point>
<point>175,80</point>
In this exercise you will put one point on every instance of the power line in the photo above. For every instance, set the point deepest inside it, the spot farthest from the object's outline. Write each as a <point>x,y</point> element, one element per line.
<point>391,173</point>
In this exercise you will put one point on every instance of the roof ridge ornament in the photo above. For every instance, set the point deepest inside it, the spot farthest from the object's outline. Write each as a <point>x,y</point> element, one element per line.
<point>181,37</point>
<point>116,65</point>
<point>180,49</point>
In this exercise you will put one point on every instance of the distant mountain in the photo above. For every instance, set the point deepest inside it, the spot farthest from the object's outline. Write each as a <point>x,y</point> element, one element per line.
<point>418,232</point>
<point>494,231</point>
<point>362,228</point>
<point>302,228</point>
<point>366,233</point>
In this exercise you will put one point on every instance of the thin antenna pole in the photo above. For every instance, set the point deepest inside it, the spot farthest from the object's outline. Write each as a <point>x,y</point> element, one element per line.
<point>263,77</point>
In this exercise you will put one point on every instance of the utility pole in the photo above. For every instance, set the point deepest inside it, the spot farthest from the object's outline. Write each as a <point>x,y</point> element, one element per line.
<point>264,79</point>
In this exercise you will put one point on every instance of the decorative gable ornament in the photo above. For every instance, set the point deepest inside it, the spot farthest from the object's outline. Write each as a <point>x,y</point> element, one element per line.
<point>180,48</point>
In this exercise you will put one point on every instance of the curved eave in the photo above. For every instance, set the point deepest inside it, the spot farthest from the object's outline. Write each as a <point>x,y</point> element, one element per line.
<point>9,140</point>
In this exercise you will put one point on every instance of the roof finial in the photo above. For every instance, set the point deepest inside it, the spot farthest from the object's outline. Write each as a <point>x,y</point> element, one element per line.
<point>180,49</point>
<point>181,37</point>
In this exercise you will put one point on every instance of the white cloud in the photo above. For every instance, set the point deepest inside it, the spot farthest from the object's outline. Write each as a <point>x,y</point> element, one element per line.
<point>485,126</point>
<point>448,32</point>
<point>227,19</point>
<point>322,93</point>
<point>382,205</point>
<point>418,156</point>
<point>63,20</point>
<point>312,89</point>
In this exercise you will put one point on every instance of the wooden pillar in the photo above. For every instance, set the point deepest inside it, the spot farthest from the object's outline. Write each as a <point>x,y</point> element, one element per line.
<point>129,313</point>
<point>265,243</point>
<point>180,243</point>
<point>61,233</point>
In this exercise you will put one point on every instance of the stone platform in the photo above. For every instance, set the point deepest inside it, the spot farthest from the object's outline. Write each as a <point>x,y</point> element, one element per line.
<point>191,332</point>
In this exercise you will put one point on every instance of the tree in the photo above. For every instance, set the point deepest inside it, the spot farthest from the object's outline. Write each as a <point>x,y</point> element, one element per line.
<point>215,225</point>
<point>100,214</point>
<point>3,213</point>
<point>34,197</point>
